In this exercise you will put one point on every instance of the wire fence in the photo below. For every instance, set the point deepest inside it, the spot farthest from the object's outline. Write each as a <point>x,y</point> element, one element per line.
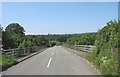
<point>22,52</point>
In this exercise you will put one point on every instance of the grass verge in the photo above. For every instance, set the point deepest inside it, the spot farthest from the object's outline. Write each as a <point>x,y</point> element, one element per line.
<point>6,61</point>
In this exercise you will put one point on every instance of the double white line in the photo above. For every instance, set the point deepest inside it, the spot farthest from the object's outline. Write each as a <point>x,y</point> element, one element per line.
<point>50,60</point>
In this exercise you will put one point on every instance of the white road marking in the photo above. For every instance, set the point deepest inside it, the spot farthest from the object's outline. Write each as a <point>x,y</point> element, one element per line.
<point>52,53</point>
<point>49,62</point>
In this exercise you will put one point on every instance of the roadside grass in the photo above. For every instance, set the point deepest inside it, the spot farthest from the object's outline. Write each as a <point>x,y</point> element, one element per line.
<point>6,61</point>
<point>106,63</point>
<point>107,66</point>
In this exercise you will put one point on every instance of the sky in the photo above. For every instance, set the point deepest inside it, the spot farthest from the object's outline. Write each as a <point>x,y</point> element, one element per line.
<point>60,0</point>
<point>59,17</point>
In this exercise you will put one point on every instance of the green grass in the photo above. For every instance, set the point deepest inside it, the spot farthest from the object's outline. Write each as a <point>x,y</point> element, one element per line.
<point>105,64</point>
<point>6,61</point>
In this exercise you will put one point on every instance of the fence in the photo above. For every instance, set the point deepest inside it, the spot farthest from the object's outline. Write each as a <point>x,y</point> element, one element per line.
<point>84,48</point>
<point>21,52</point>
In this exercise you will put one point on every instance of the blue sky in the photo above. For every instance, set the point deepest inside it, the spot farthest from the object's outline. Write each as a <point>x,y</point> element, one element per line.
<point>60,0</point>
<point>59,17</point>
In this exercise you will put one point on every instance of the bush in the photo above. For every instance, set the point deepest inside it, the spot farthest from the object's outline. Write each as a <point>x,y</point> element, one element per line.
<point>6,61</point>
<point>105,55</point>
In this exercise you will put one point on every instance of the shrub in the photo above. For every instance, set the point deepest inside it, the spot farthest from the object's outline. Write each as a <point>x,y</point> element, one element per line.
<point>6,61</point>
<point>105,55</point>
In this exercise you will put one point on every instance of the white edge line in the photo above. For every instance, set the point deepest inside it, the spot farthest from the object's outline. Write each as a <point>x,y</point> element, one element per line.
<point>49,62</point>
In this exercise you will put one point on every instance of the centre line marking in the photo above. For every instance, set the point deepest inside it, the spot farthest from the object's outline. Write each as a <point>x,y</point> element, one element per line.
<point>49,62</point>
<point>52,53</point>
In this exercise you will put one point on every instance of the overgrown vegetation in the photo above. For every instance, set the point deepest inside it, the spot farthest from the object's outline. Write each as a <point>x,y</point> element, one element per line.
<point>83,39</point>
<point>105,55</point>
<point>6,61</point>
<point>14,37</point>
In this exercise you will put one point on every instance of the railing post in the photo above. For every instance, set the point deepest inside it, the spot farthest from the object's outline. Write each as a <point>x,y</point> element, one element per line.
<point>21,52</point>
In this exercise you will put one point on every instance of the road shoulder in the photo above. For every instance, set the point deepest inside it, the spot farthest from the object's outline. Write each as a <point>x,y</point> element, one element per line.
<point>83,55</point>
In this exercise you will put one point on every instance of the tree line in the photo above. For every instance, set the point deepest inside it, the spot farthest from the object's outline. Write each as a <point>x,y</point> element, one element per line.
<point>83,39</point>
<point>14,37</point>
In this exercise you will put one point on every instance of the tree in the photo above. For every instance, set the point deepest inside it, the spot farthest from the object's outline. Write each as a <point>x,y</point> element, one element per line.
<point>1,29</point>
<point>1,37</point>
<point>61,38</point>
<point>7,42</point>
<point>12,36</point>
<point>105,55</point>
<point>15,28</point>
<point>83,39</point>
<point>25,44</point>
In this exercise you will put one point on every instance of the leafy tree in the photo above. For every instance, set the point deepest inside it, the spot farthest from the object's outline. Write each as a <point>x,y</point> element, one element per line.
<point>83,39</point>
<point>1,31</point>
<point>61,38</point>
<point>105,55</point>
<point>7,42</point>
<point>12,36</point>
<point>15,28</point>
<point>25,44</point>
<point>1,37</point>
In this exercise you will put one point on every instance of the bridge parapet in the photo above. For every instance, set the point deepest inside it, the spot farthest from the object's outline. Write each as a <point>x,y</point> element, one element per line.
<point>84,48</point>
<point>22,52</point>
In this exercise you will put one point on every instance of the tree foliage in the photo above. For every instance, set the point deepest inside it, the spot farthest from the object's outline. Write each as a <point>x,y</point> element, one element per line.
<point>15,28</point>
<point>83,39</point>
<point>61,38</point>
<point>105,55</point>
<point>14,37</point>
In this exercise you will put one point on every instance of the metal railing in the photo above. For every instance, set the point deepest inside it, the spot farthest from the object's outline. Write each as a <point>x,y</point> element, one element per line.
<point>22,52</point>
<point>84,48</point>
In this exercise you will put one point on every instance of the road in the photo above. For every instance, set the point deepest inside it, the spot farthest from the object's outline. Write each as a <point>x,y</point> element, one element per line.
<point>53,61</point>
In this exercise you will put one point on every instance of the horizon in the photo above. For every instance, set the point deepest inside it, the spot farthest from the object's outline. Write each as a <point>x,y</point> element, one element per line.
<point>62,34</point>
<point>59,17</point>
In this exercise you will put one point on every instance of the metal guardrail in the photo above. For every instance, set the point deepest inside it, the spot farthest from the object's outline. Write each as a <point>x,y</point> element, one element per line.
<point>22,52</point>
<point>84,48</point>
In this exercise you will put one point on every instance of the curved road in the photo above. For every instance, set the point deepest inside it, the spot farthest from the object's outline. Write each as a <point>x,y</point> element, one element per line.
<point>53,61</point>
